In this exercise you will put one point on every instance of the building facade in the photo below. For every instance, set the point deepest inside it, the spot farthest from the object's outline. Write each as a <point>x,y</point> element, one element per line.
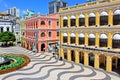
<point>41,32</point>
<point>55,5</point>
<point>11,24</point>
<point>5,23</point>
<point>90,34</point>
<point>14,12</point>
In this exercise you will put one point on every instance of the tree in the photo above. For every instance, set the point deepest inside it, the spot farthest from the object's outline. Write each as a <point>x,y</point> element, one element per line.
<point>6,37</point>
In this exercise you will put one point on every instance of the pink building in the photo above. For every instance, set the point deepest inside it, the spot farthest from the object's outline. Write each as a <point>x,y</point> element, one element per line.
<point>41,31</point>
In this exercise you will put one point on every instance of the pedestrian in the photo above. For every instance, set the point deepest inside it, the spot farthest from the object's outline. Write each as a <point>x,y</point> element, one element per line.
<point>54,55</point>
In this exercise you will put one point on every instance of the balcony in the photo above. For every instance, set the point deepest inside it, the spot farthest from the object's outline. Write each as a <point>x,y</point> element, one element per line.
<point>93,48</point>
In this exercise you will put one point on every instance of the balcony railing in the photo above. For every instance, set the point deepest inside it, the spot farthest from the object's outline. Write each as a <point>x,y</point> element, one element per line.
<point>93,49</point>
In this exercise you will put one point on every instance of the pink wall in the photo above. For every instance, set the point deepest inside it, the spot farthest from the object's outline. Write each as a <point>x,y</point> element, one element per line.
<point>34,23</point>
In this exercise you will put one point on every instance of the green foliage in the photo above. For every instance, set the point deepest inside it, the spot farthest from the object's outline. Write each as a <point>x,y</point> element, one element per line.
<point>7,36</point>
<point>19,61</point>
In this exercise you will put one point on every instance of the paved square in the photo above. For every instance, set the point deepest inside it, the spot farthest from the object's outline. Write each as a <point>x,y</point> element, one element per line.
<point>46,67</point>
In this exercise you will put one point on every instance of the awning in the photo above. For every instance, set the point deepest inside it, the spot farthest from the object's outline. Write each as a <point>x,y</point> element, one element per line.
<point>91,36</point>
<point>72,17</point>
<point>117,12</point>
<point>81,35</point>
<point>65,34</point>
<point>103,36</point>
<point>91,15</point>
<point>65,18</point>
<point>81,16</point>
<point>72,35</point>
<point>116,37</point>
<point>104,13</point>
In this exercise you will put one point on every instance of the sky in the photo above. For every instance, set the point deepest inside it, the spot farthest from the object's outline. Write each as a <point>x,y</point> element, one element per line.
<point>39,6</point>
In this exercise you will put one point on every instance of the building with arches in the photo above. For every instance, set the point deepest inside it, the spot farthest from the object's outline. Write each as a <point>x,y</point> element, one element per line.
<point>90,34</point>
<point>41,31</point>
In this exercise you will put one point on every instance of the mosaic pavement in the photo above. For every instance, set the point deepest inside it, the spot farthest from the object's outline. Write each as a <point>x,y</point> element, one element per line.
<point>46,67</point>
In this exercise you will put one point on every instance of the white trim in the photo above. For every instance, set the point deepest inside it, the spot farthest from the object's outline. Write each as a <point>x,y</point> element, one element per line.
<point>103,36</point>
<point>91,35</point>
<point>65,34</point>
<point>65,18</point>
<point>117,12</point>
<point>92,15</point>
<point>72,35</point>
<point>81,16</point>
<point>104,13</point>
<point>116,37</point>
<point>81,35</point>
<point>72,17</point>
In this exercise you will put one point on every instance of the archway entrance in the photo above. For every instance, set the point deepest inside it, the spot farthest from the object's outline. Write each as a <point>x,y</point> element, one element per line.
<point>102,61</point>
<point>116,64</point>
<point>72,56</point>
<point>91,59</point>
<point>43,47</point>
<point>81,57</point>
<point>65,53</point>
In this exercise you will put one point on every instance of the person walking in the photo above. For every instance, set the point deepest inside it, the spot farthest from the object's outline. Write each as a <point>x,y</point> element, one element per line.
<point>54,55</point>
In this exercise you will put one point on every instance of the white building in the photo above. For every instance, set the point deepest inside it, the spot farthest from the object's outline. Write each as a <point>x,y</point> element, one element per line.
<point>14,12</point>
<point>5,26</point>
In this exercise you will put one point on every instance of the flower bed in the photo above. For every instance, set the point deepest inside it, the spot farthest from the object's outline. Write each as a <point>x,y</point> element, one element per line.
<point>20,61</point>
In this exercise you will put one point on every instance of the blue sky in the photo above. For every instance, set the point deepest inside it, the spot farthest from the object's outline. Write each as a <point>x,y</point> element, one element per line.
<point>40,6</point>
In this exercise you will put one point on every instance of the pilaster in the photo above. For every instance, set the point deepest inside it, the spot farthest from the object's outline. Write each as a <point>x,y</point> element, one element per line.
<point>86,59</point>
<point>77,38</point>
<point>110,19</point>
<point>109,40</point>
<point>68,37</point>
<point>86,19</point>
<point>68,20</point>
<point>77,20</point>
<point>97,39</point>
<point>86,38</point>
<point>109,64</point>
<point>69,54</point>
<point>76,56</point>
<point>96,63</point>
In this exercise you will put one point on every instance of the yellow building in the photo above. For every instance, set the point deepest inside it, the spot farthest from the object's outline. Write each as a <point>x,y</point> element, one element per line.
<point>90,34</point>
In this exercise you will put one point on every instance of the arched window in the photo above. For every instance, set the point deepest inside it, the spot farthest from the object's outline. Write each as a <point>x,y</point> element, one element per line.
<point>92,20</point>
<point>103,40</point>
<point>42,34</point>
<point>72,38</point>
<point>104,18</point>
<point>81,20</point>
<point>116,41</point>
<point>73,20</point>
<point>116,17</point>
<point>65,38</point>
<point>81,39</point>
<point>65,21</point>
<point>91,39</point>
<point>42,22</point>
